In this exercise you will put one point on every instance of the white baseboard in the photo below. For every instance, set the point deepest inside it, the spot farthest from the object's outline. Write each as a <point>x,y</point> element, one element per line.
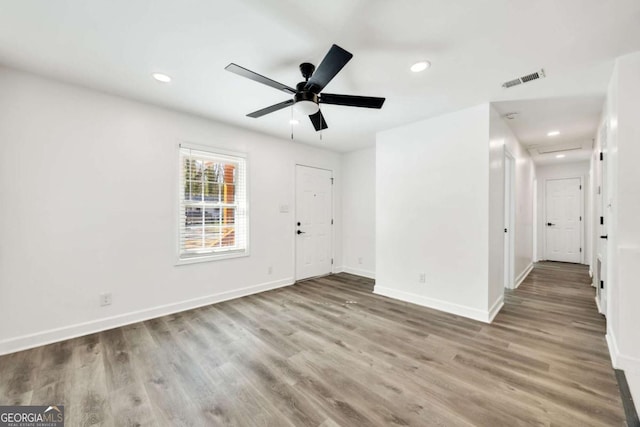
<point>598,304</point>
<point>613,349</point>
<point>460,310</point>
<point>621,361</point>
<point>523,275</point>
<point>358,272</point>
<point>24,342</point>
<point>337,270</point>
<point>495,308</point>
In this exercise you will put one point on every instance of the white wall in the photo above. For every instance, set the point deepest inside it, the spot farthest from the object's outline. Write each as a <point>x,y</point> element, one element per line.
<point>501,138</point>
<point>432,212</point>
<point>559,171</point>
<point>622,219</point>
<point>88,204</point>
<point>359,212</point>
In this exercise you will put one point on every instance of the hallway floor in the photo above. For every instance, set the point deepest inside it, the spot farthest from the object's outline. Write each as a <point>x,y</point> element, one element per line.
<point>328,352</point>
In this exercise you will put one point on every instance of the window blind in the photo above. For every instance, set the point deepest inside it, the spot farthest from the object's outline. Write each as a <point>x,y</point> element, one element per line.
<point>213,204</point>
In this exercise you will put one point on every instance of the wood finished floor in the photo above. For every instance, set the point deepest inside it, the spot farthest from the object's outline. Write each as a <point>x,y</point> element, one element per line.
<point>327,352</point>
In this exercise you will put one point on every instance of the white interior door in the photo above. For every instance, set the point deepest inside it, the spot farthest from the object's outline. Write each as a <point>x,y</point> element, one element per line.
<point>564,220</point>
<point>313,222</point>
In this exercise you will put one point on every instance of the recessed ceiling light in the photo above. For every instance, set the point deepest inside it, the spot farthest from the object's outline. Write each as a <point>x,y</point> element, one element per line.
<point>161,77</point>
<point>553,133</point>
<point>420,66</point>
<point>559,156</point>
<point>294,122</point>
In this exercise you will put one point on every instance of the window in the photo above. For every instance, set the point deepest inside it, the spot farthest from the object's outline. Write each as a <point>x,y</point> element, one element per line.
<point>213,205</point>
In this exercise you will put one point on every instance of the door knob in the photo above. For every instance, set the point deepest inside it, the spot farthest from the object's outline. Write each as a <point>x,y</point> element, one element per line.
<point>300,232</point>
<point>549,224</point>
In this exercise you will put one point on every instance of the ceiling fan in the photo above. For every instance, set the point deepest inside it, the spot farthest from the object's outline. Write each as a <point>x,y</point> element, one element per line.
<point>306,95</point>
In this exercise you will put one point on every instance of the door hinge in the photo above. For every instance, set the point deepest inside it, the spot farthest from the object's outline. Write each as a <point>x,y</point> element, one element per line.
<point>581,250</point>
<point>331,221</point>
<point>581,187</point>
<point>601,156</point>
<point>331,181</point>
<point>601,220</point>
<point>580,218</point>
<point>601,284</point>
<point>331,261</point>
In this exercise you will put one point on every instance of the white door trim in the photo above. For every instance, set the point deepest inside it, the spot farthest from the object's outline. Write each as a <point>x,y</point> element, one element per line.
<point>544,212</point>
<point>534,258</point>
<point>295,205</point>
<point>601,204</point>
<point>509,255</point>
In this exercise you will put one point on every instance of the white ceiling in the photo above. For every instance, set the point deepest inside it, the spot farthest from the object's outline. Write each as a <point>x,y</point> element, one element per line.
<point>114,46</point>
<point>576,118</point>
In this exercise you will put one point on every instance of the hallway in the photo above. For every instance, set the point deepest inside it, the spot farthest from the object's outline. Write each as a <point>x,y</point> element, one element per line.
<point>552,318</point>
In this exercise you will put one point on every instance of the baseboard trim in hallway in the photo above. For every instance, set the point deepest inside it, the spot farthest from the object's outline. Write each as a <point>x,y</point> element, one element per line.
<point>495,308</point>
<point>523,275</point>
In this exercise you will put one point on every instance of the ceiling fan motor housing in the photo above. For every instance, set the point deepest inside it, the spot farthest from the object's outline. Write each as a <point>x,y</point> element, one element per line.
<point>305,96</point>
<point>307,70</point>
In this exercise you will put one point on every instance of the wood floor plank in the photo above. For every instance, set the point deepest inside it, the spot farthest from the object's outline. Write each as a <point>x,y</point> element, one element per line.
<point>127,397</point>
<point>18,380</point>
<point>328,352</point>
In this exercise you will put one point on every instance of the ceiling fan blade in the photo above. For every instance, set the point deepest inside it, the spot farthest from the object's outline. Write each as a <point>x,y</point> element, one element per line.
<point>318,121</point>
<point>331,65</point>
<point>352,101</point>
<point>241,71</point>
<point>270,109</point>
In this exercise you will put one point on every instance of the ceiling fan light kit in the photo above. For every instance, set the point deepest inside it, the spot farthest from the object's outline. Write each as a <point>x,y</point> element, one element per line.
<point>306,103</point>
<point>306,96</point>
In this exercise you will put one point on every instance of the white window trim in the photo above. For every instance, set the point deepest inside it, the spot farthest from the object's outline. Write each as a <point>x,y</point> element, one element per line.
<point>208,257</point>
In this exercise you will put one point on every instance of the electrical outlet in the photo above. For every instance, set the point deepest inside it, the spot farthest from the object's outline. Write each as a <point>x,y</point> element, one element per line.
<point>423,278</point>
<point>105,299</point>
<point>270,270</point>
<point>359,260</point>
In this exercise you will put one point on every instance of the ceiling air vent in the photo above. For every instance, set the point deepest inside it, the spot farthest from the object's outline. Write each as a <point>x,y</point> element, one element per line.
<point>524,79</point>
